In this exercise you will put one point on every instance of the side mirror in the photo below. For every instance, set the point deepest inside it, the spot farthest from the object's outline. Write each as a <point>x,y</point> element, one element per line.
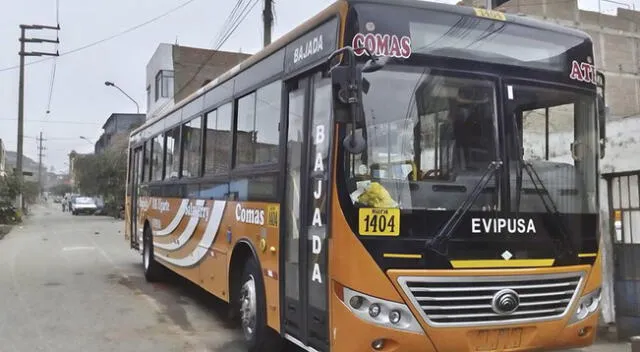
<point>347,89</point>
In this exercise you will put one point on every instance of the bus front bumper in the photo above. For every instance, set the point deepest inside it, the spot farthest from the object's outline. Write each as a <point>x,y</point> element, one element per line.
<point>350,332</point>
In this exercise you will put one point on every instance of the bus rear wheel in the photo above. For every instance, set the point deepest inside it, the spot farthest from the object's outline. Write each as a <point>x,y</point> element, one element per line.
<point>152,270</point>
<point>252,305</point>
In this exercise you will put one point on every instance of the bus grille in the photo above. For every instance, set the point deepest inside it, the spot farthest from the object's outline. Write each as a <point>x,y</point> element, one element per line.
<point>468,301</point>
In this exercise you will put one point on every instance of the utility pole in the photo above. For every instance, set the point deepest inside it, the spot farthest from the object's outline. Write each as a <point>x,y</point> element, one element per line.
<point>489,4</point>
<point>40,155</point>
<point>267,18</point>
<point>23,53</point>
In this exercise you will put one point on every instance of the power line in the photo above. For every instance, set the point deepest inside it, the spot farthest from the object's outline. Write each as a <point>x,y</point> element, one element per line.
<point>55,61</point>
<point>226,23</point>
<point>229,27</point>
<point>49,121</point>
<point>255,2</point>
<point>55,138</point>
<point>119,34</point>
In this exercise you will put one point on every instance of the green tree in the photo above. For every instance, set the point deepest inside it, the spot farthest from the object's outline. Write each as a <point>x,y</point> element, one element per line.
<point>105,174</point>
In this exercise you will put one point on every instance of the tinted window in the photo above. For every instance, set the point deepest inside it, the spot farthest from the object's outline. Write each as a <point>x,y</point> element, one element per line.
<point>172,161</point>
<point>158,156</point>
<point>267,122</point>
<point>257,132</point>
<point>245,130</point>
<point>147,160</point>
<point>257,188</point>
<point>214,190</point>
<point>218,141</point>
<point>191,146</point>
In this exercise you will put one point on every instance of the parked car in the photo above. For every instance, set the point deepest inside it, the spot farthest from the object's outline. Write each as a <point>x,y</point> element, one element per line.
<point>99,205</point>
<point>83,205</point>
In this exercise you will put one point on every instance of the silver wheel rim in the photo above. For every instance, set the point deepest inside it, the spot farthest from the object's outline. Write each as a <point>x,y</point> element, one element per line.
<point>248,307</point>
<point>146,256</point>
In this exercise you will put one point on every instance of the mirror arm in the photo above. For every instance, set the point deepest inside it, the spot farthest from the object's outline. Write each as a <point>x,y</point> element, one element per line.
<point>351,86</point>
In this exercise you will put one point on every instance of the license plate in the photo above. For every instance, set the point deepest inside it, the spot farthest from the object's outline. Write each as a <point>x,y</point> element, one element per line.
<point>497,339</point>
<point>379,221</point>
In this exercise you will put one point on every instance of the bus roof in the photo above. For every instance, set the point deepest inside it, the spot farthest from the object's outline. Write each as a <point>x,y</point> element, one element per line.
<point>467,10</point>
<point>334,9</point>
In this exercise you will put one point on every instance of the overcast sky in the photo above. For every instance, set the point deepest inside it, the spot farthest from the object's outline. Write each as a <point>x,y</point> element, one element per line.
<point>80,102</point>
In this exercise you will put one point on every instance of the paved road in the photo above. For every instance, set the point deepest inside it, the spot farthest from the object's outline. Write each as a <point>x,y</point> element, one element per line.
<point>69,283</point>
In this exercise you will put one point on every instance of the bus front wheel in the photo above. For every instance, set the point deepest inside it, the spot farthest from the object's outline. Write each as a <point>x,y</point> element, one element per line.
<point>152,270</point>
<point>252,305</point>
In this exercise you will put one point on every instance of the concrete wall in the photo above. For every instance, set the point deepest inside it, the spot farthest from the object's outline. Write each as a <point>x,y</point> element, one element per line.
<point>194,67</point>
<point>162,59</point>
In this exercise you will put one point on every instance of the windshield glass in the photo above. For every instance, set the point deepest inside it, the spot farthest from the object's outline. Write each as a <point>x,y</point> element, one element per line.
<point>84,200</point>
<point>430,137</point>
<point>556,134</point>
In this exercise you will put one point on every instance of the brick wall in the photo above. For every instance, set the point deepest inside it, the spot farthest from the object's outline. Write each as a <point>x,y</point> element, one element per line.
<point>187,61</point>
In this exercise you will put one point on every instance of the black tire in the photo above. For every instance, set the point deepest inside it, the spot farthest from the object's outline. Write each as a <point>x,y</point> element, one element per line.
<point>152,269</point>
<point>261,337</point>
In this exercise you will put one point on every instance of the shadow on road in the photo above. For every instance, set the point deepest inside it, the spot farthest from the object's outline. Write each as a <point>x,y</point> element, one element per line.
<point>175,293</point>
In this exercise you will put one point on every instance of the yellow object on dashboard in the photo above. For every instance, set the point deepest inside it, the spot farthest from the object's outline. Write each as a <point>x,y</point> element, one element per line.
<point>376,196</point>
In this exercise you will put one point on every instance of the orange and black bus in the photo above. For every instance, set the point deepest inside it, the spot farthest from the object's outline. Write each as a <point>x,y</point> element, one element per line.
<point>389,176</point>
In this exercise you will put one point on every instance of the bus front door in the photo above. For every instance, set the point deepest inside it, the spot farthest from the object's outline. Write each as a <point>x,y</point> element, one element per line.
<point>304,215</point>
<point>136,175</point>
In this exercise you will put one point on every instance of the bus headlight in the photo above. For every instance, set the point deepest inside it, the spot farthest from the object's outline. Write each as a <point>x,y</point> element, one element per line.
<point>587,305</point>
<point>381,312</point>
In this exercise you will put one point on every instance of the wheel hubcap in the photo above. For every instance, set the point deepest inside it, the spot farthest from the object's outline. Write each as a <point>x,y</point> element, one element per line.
<point>248,307</point>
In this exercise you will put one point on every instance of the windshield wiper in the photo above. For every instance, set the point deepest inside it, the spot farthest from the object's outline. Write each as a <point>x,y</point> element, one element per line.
<point>446,231</point>
<point>564,244</point>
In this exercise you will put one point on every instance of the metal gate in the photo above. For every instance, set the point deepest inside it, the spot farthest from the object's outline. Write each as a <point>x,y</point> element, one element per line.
<point>623,189</point>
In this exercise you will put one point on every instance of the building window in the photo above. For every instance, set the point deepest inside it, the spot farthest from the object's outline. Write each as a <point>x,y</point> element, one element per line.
<point>164,84</point>
<point>217,141</point>
<point>158,85</point>
<point>257,135</point>
<point>191,147</point>
<point>158,158</point>
<point>172,159</point>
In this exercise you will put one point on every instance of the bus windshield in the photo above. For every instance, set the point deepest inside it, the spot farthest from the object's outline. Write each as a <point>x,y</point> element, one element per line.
<point>554,134</point>
<point>431,135</point>
<point>430,138</point>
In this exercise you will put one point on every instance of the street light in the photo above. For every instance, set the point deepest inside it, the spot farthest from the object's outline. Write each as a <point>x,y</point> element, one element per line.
<point>87,139</point>
<point>111,84</point>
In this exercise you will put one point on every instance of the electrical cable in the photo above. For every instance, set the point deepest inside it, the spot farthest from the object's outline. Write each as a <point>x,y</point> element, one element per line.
<point>113,36</point>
